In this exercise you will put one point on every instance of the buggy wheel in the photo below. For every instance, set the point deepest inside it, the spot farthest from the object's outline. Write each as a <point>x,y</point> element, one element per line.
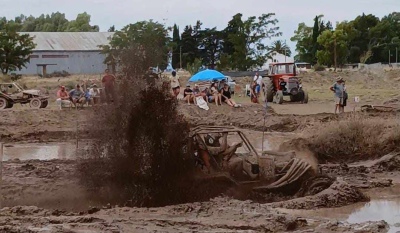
<point>35,103</point>
<point>3,103</point>
<point>44,104</point>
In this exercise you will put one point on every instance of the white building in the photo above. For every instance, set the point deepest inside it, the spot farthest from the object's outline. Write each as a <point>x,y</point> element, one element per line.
<point>73,52</point>
<point>277,57</point>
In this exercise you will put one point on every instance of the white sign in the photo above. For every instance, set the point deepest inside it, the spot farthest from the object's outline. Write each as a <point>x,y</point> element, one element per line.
<point>357,99</point>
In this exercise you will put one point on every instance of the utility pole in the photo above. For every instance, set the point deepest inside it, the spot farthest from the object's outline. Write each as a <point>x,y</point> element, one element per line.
<point>335,55</point>
<point>285,51</point>
<point>180,56</point>
<point>396,55</point>
<point>389,56</point>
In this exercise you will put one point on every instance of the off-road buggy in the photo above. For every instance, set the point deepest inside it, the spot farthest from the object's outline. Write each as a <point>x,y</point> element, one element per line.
<point>13,93</point>
<point>282,81</point>
<point>241,165</point>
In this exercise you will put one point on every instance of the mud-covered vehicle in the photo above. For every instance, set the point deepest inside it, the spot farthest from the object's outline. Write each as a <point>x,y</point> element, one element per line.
<point>239,164</point>
<point>13,93</point>
<point>282,81</point>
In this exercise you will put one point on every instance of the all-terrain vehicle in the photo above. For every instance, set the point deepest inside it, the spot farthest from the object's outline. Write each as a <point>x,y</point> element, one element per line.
<point>239,164</point>
<point>13,93</point>
<point>282,81</point>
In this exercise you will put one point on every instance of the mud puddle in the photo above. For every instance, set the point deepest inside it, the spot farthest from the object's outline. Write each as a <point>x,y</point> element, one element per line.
<point>42,151</point>
<point>384,205</point>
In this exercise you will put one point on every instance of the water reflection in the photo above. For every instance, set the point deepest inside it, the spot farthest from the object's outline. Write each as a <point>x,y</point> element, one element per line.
<point>388,210</point>
<point>33,151</point>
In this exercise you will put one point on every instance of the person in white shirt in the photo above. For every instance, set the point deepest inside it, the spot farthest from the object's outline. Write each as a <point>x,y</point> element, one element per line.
<point>258,80</point>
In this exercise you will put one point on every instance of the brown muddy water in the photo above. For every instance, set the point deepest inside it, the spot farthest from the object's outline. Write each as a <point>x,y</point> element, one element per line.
<point>384,205</point>
<point>42,151</point>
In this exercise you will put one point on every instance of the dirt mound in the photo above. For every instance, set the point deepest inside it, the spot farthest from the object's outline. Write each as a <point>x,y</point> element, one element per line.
<point>338,194</point>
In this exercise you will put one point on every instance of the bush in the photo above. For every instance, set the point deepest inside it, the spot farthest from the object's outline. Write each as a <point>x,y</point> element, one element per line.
<point>57,74</point>
<point>318,67</point>
<point>355,138</point>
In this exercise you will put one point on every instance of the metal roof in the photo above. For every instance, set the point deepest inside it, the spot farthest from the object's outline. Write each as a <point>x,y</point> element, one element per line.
<point>69,41</point>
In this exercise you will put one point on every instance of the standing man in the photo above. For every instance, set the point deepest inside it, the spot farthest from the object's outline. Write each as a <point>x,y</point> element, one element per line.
<point>175,83</point>
<point>108,82</point>
<point>258,81</point>
<point>338,89</point>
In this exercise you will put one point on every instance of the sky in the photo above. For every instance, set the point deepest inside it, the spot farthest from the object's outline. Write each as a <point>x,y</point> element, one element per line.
<point>213,13</point>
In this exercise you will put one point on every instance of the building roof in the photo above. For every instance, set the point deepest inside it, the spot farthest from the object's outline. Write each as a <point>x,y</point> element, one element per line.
<point>69,41</point>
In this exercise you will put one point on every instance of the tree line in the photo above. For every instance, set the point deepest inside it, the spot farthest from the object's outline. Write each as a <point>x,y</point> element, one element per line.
<point>242,45</point>
<point>365,39</point>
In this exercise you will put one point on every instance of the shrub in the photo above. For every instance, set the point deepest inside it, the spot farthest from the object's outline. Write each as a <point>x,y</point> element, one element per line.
<point>355,138</point>
<point>318,67</point>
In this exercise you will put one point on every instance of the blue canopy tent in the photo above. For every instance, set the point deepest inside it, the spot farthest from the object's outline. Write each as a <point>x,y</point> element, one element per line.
<point>207,75</point>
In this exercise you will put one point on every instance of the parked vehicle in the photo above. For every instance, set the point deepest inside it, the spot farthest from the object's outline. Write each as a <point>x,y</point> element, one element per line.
<point>13,93</point>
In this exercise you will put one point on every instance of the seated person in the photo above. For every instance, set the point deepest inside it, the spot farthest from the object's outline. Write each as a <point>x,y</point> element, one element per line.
<point>188,94</point>
<point>214,95</point>
<point>226,96</point>
<point>62,97</point>
<point>94,93</point>
<point>215,148</point>
<point>77,96</point>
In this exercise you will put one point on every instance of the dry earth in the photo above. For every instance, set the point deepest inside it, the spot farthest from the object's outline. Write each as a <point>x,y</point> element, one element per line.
<point>45,196</point>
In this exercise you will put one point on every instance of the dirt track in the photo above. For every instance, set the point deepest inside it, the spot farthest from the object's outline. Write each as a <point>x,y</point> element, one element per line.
<point>53,185</point>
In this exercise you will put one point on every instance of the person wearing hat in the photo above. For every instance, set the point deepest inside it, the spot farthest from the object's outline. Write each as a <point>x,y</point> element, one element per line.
<point>62,97</point>
<point>338,89</point>
<point>188,94</point>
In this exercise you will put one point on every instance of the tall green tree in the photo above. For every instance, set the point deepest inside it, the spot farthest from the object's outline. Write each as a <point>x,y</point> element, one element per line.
<point>135,42</point>
<point>211,46</point>
<point>82,24</point>
<point>15,49</point>
<point>334,48</point>
<point>176,47</point>
<point>304,43</point>
<point>249,49</point>
<point>189,48</point>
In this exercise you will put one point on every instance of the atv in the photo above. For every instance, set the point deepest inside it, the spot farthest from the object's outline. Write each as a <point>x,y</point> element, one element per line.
<point>282,81</point>
<point>13,93</point>
<point>241,165</point>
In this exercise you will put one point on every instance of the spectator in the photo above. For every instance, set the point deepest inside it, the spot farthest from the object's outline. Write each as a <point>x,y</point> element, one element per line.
<point>226,96</point>
<point>188,94</point>
<point>108,82</point>
<point>258,83</point>
<point>339,89</point>
<point>62,97</point>
<point>175,83</point>
<point>196,92</point>
<point>77,96</point>
<point>214,95</point>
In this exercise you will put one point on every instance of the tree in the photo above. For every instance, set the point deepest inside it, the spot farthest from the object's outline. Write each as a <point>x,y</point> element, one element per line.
<point>15,49</point>
<point>135,42</point>
<point>189,48</point>
<point>280,47</point>
<point>210,46</point>
<point>176,44</point>
<point>248,43</point>
<point>334,44</point>
<point>304,45</point>
<point>112,29</point>
<point>82,24</point>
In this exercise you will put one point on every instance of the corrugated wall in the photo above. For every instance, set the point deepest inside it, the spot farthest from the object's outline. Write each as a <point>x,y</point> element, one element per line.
<point>74,62</point>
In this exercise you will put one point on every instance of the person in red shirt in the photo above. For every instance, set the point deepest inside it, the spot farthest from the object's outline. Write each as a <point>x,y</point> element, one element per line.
<point>108,84</point>
<point>62,97</point>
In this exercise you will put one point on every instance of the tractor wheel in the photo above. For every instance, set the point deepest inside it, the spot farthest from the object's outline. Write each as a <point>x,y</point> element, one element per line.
<point>35,103</point>
<point>3,103</point>
<point>279,97</point>
<point>294,98</point>
<point>44,104</point>
<point>269,90</point>
<point>305,97</point>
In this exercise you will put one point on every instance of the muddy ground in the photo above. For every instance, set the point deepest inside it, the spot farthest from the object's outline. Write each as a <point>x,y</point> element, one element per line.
<point>45,196</point>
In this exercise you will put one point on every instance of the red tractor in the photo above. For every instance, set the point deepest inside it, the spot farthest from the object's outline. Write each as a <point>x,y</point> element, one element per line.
<point>282,81</point>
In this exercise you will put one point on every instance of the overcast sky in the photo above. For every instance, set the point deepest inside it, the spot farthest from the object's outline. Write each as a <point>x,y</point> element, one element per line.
<point>213,13</point>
